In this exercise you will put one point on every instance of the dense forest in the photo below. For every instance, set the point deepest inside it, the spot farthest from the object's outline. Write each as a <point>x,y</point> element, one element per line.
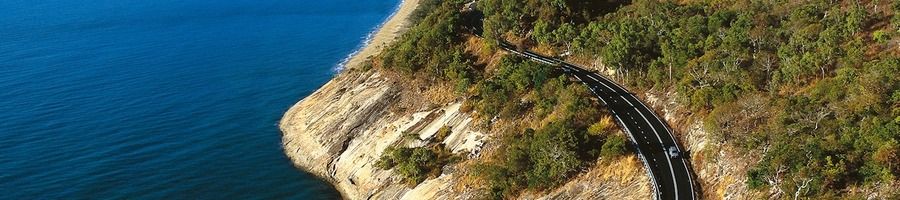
<point>813,86</point>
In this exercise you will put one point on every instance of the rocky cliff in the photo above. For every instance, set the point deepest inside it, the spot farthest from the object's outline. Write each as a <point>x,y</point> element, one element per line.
<point>720,173</point>
<point>341,130</point>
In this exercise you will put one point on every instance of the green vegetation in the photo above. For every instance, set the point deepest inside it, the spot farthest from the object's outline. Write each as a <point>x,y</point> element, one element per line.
<point>543,158</point>
<point>433,49</point>
<point>530,159</point>
<point>810,87</point>
<point>613,147</point>
<point>535,159</point>
<point>790,79</point>
<point>881,36</point>
<point>416,164</point>
<point>433,46</point>
<point>499,94</point>
<point>442,134</point>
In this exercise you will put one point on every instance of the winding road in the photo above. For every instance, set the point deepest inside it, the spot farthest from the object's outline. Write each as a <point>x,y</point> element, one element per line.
<point>671,176</point>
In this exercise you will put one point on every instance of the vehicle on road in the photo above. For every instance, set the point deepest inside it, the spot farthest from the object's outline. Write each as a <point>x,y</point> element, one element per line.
<point>671,174</point>
<point>673,152</point>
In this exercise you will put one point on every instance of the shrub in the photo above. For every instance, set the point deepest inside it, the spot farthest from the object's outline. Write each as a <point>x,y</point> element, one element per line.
<point>613,147</point>
<point>501,93</point>
<point>601,127</point>
<point>881,36</point>
<point>415,164</point>
<point>442,133</point>
<point>552,151</point>
<point>538,159</point>
<point>755,179</point>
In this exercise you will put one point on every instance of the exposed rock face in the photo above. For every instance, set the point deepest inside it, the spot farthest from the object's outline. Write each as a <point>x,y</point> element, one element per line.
<point>722,174</point>
<point>341,130</point>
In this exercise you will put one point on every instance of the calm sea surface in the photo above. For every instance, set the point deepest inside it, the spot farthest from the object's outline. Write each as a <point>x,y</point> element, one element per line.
<point>163,99</point>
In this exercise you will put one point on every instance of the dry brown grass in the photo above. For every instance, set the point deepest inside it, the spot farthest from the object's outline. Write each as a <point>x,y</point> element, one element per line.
<point>484,60</point>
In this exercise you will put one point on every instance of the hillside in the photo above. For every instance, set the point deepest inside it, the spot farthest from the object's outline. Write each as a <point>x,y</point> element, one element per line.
<point>773,99</point>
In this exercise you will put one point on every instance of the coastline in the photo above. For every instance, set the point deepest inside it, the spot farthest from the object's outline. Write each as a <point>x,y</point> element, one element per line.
<point>341,130</point>
<point>385,34</point>
<point>317,150</point>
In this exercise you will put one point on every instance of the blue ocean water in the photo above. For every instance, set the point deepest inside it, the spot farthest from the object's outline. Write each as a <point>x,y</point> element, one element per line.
<point>164,99</point>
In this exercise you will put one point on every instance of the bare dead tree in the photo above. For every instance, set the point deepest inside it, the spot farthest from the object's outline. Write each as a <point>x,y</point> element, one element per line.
<point>821,113</point>
<point>804,185</point>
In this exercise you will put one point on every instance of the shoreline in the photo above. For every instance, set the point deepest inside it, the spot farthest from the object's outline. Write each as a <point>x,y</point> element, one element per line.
<point>381,36</point>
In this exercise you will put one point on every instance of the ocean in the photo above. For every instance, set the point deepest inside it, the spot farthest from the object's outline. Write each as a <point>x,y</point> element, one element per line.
<point>164,99</point>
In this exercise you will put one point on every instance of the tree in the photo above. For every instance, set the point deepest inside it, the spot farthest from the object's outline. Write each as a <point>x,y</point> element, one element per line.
<point>632,44</point>
<point>857,18</point>
<point>553,153</point>
<point>887,155</point>
<point>589,39</point>
<point>542,32</point>
<point>565,34</point>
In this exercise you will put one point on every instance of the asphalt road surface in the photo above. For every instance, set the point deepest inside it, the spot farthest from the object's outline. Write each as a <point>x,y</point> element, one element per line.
<point>671,175</point>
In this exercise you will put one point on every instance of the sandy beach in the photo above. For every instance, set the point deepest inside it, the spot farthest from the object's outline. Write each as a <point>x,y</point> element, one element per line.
<point>386,34</point>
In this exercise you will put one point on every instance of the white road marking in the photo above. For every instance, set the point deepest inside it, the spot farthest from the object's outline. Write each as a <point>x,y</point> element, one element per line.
<point>671,169</point>
<point>591,75</point>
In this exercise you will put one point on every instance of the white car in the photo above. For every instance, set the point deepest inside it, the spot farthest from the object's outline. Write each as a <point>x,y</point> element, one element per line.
<point>673,152</point>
